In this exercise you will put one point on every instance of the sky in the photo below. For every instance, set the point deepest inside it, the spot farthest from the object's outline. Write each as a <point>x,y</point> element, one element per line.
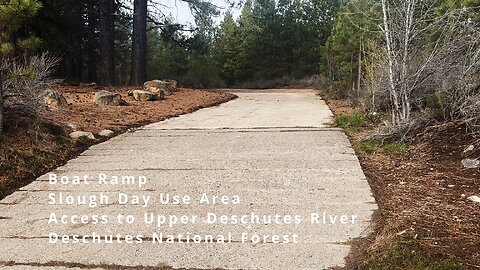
<point>181,12</point>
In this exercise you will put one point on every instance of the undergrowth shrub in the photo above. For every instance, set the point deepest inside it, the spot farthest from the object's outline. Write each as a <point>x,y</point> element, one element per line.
<point>350,121</point>
<point>403,257</point>
<point>371,147</point>
<point>25,79</point>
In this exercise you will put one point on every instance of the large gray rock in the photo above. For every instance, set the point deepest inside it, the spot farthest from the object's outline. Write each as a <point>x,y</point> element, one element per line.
<point>165,86</point>
<point>106,98</point>
<point>143,95</point>
<point>78,134</point>
<point>54,99</point>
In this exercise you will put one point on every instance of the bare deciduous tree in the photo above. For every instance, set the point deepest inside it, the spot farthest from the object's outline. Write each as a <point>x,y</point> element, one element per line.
<point>458,80</point>
<point>425,50</point>
<point>406,26</point>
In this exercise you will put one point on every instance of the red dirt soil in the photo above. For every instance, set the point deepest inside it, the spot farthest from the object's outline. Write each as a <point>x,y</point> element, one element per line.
<point>422,195</point>
<point>31,146</point>
<point>90,117</point>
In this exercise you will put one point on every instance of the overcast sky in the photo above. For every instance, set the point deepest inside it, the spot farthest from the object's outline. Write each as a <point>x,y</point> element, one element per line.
<point>181,12</point>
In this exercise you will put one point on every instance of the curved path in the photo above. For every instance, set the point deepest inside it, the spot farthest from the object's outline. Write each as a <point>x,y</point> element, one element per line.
<point>273,151</point>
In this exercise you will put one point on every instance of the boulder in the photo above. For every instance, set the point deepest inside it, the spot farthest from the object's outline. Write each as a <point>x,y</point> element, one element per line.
<point>142,95</point>
<point>106,98</point>
<point>106,133</point>
<point>165,86</point>
<point>78,134</point>
<point>54,99</point>
<point>172,84</point>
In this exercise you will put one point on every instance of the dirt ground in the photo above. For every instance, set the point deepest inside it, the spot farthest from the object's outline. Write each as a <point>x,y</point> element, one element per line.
<point>425,220</point>
<point>33,145</point>
<point>90,117</point>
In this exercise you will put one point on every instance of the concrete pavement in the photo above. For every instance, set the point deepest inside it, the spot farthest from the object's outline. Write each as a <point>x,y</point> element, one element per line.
<point>272,151</point>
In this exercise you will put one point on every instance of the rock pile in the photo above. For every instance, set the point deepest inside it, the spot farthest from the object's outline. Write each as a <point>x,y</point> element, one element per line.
<point>157,86</point>
<point>154,90</point>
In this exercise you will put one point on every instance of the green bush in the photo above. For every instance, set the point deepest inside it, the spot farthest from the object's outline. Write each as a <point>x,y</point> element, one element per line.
<point>435,101</point>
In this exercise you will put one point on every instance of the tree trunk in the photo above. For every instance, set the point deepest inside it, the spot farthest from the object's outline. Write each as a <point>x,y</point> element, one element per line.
<point>408,27</point>
<point>92,43</point>
<point>393,86</point>
<point>139,43</point>
<point>359,72</point>
<point>107,42</point>
<point>1,98</point>
<point>78,62</point>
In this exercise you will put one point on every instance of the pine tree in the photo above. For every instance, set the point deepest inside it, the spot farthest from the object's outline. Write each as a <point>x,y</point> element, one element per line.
<point>342,60</point>
<point>248,33</point>
<point>227,49</point>
<point>13,15</point>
